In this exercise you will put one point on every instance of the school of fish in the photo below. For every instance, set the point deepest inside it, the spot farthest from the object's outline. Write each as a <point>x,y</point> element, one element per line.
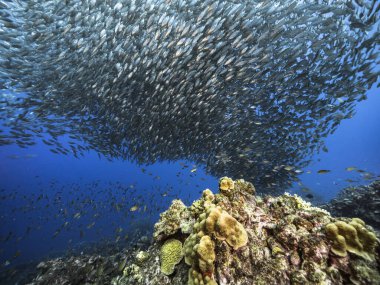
<point>245,88</point>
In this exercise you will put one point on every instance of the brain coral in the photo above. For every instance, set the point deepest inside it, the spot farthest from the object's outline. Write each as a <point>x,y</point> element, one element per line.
<point>171,255</point>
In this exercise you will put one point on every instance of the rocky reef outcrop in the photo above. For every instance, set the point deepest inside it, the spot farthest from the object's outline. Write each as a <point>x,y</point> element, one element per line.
<point>235,237</point>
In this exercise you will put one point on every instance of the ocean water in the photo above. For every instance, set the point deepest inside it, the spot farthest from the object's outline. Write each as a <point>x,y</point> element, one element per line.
<point>56,204</point>
<point>92,186</point>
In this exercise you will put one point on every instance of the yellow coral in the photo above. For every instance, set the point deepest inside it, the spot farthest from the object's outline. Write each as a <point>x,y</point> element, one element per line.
<point>339,242</point>
<point>212,222</point>
<point>196,278</point>
<point>226,185</point>
<point>366,237</point>
<point>225,227</point>
<point>228,228</point>
<point>206,253</point>
<point>171,255</point>
<point>213,216</point>
<point>353,237</point>
<point>208,195</point>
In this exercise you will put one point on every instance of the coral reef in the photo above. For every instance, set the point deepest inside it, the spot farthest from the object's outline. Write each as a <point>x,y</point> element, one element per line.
<point>235,237</point>
<point>360,201</point>
<point>238,238</point>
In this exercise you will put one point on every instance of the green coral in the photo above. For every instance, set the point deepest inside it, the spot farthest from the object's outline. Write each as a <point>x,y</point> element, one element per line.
<point>353,237</point>
<point>170,255</point>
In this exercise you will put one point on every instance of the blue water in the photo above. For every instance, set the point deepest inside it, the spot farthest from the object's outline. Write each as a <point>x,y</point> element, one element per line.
<point>43,193</point>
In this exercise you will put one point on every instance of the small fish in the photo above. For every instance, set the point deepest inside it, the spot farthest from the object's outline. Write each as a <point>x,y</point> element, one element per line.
<point>351,168</point>
<point>368,176</point>
<point>305,190</point>
<point>190,75</point>
<point>56,233</point>
<point>89,226</point>
<point>323,171</point>
<point>77,215</point>
<point>193,170</point>
<point>134,208</point>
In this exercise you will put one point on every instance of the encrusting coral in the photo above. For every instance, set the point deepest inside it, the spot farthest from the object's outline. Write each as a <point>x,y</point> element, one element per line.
<point>235,237</point>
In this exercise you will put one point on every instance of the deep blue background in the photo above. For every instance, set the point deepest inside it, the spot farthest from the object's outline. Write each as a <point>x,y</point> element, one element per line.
<point>41,191</point>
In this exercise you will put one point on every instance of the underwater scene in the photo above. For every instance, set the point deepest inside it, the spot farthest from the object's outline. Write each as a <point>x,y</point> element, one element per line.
<point>199,142</point>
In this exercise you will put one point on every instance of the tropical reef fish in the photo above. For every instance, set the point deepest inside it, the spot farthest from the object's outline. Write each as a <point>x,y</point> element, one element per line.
<point>240,87</point>
<point>134,208</point>
<point>351,168</point>
<point>323,171</point>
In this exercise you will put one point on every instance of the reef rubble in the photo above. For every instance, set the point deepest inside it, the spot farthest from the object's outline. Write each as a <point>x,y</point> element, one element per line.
<point>237,237</point>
